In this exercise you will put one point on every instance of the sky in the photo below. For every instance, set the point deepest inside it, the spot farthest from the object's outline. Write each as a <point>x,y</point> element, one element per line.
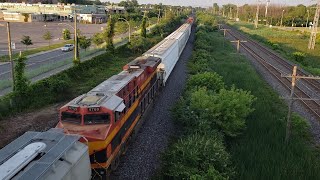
<point>206,3</point>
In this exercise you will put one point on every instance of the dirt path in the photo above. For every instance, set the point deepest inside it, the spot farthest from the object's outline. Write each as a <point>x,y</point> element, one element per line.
<point>41,120</point>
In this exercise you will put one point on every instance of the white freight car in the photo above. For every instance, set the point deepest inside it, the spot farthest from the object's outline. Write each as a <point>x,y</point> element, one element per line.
<point>49,155</point>
<point>170,49</point>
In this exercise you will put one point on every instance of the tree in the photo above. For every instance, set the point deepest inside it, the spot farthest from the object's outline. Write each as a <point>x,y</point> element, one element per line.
<point>84,42</point>
<point>66,35</point>
<point>215,8</point>
<point>47,36</point>
<point>109,34</point>
<point>143,27</point>
<point>139,45</point>
<point>26,40</point>
<point>97,39</point>
<point>21,82</point>
<point>26,17</point>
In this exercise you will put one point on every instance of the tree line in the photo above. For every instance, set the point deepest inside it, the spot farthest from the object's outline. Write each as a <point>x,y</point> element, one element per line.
<point>296,16</point>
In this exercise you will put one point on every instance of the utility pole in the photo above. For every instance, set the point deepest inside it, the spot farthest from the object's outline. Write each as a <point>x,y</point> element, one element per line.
<point>230,13</point>
<point>313,36</point>
<point>294,78</point>
<point>266,13</point>
<point>10,53</point>
<point>237,16</point>
<point>76,53</point>
<point>238,44</point>
<point>307,18</point>
<point>281,18</point>
<point>257,16</point>
<point>224,32</point>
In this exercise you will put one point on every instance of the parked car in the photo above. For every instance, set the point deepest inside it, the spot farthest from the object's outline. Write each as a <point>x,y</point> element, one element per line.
<point>67,47</point>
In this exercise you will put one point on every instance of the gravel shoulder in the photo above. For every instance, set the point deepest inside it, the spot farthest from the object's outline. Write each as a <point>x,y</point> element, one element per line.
<point>143,156</point>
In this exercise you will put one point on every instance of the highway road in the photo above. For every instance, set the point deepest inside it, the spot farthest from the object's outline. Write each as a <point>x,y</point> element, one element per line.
<point>37,61</point>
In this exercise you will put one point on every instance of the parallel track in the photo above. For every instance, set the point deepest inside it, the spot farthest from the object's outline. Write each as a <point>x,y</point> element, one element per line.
<point>312,83</point>
<point>311,105</point>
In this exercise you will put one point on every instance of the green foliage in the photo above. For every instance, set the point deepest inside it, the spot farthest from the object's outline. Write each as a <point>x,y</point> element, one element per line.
<point>226,110</point>
<point>26,40</point>
<point>210,21</point>
<point>66,35</point>
<point>144,28</point>
<point>20,82</point>
<point>210,80</point>
<point>97,39</point>
<point>84,42</point>
<point>139,45</point>
<point>70,83</point>
<point>47,36</point>
<point>198,156</point>
<point>299,57</point>
<point>260,152</point>
<point>109,34</point>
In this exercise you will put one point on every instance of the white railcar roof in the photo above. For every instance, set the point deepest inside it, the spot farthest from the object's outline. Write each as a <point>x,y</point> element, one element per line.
<point>161,48</point>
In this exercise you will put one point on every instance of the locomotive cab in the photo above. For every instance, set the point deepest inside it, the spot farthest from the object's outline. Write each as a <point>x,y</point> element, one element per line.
<point>89,120</point>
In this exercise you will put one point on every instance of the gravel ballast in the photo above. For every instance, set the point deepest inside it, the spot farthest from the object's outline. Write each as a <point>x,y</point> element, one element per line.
<point>143,156</point>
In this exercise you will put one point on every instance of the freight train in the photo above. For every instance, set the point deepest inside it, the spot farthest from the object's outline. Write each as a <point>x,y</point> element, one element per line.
<point>95,128</point>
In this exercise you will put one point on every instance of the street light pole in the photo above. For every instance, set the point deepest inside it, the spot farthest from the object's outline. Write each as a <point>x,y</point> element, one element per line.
<point>10,52</point>
<point>129,28</point>
<point>76,52</point>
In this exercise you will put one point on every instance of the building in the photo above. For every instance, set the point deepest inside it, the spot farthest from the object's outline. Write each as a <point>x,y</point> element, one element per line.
<point>116,9</point>
<point>23,12</point>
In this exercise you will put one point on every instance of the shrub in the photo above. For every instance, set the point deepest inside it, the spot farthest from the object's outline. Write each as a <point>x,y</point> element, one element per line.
<point>211,80</point>
<point>299,57</point>
<point>66,35</point>
<point>21,83</point>
<point>139,45</point>
<point>226,110</point>
<point>198,156</point>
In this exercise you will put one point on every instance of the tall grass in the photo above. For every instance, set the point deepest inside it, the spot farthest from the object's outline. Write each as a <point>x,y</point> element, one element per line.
<point>260,153</point>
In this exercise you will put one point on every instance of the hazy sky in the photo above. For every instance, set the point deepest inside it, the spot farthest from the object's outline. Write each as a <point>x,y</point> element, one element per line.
<point>220,2</point>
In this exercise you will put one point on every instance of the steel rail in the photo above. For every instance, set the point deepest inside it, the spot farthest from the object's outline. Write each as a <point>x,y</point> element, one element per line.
<point>312,105</point>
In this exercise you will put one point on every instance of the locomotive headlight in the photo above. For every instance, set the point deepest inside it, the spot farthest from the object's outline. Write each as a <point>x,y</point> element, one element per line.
<point>72,108</point>
<point>94,109</point>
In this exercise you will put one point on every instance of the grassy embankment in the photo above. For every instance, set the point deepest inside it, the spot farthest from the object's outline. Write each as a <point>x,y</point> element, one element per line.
<point>78,79</point>
<point>260,152</point>
<point>286,43</point>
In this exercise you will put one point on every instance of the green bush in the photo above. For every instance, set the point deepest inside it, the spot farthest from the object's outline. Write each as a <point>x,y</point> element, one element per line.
<point>211,80</point>
<point>139,44</point>
<point>299,57</point>
<point>226,110</point>
<point>198,156</point>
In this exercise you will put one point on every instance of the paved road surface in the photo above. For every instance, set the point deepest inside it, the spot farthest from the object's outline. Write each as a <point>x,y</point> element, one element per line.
<point>36,62</point>
<point>36,30</point>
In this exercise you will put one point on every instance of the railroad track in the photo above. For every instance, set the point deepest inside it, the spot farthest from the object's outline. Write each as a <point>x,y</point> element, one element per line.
<point>312,106</point>
<point>310,82</point>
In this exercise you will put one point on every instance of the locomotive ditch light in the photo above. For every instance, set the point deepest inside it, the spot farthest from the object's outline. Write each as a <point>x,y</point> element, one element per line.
<point>73,108</point>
